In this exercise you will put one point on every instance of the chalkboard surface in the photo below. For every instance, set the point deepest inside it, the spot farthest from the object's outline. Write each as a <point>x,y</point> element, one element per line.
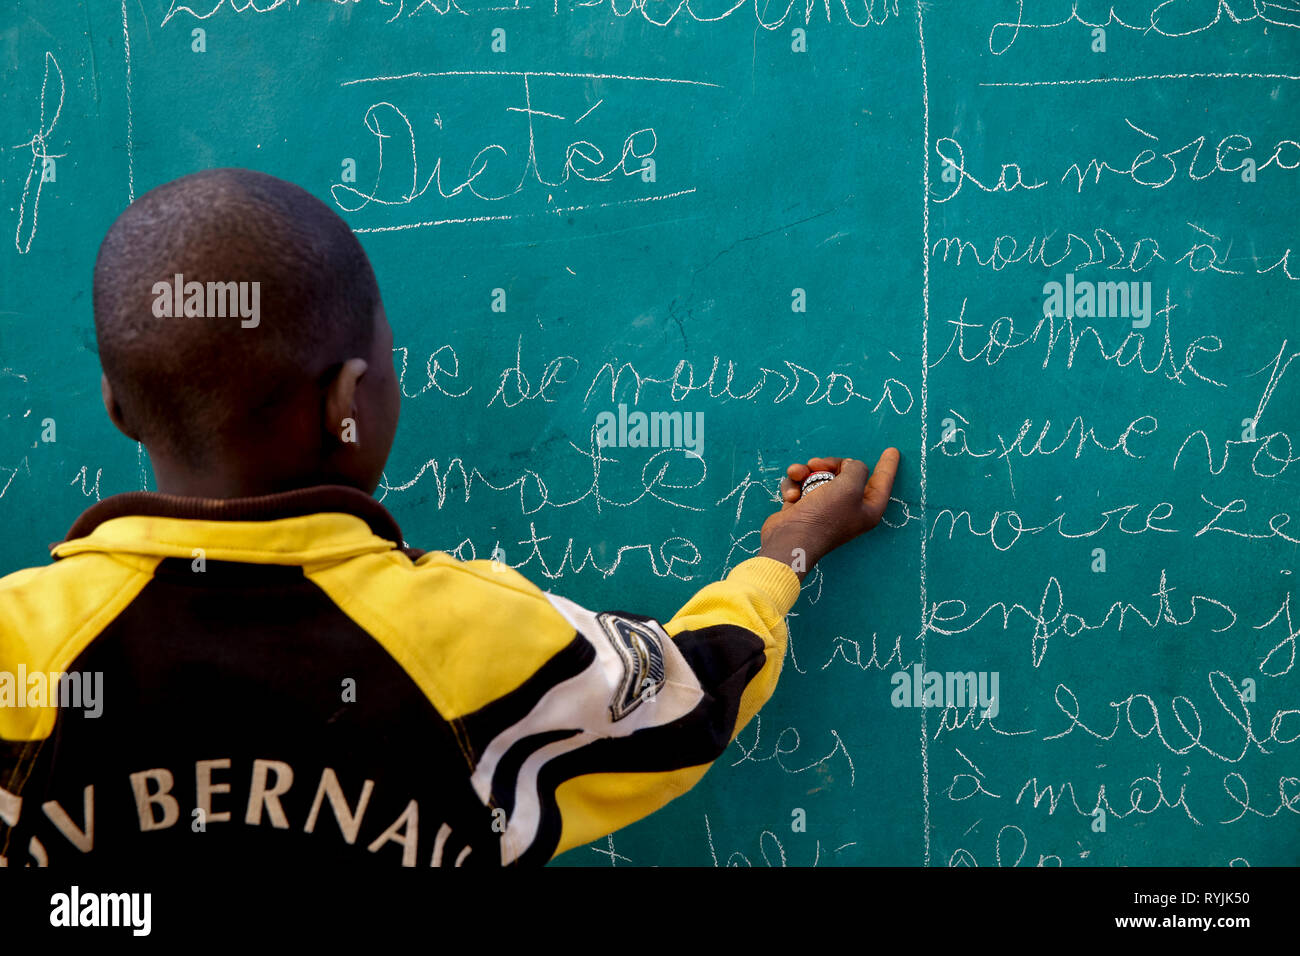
<point>1050,253</point>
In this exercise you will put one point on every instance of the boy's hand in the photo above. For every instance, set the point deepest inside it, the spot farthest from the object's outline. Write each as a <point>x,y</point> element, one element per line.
<point>838,512</point>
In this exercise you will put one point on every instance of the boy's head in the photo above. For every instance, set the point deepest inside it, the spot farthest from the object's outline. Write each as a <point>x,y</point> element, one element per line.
<point>274,371</point>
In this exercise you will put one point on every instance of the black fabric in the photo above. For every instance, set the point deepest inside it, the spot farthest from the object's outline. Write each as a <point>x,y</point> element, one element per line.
<point>490,720</point>
<point>243,663</point>
<point>505,780</point>
<point>726,658</point>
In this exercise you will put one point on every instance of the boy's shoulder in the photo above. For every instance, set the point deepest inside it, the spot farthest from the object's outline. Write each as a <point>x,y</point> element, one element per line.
<point>45,606</point>
<point>464,630</point>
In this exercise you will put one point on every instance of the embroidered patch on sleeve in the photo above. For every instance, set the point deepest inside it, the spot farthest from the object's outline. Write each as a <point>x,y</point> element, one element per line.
<point>639,648</point>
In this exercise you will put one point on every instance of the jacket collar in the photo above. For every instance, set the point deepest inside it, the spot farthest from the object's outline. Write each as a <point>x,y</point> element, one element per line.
<point>325,521</point>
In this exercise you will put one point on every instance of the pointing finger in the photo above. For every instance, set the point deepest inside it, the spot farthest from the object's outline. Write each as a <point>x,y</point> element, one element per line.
<point>875,497</point>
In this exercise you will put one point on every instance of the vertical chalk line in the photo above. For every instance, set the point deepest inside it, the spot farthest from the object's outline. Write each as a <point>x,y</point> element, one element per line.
<point>130,122</point>
<point>130,187</point>
<point>925,385</point>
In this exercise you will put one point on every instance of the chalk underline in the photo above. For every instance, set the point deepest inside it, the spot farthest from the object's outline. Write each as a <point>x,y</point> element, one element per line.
<point>1156,76</point>
<point>587,76</point>
<point>501,218</point>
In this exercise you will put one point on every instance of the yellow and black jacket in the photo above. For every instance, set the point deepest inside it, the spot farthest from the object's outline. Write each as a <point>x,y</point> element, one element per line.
<point>280,679</point>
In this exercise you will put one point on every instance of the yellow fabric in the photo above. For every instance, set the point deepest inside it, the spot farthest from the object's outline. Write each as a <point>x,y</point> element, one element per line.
<point>597,804</point>
<point>298,540</point>
<point>49,615</point>
<point>756,595</point>
<point>457,627</point>
<point>467,632</point>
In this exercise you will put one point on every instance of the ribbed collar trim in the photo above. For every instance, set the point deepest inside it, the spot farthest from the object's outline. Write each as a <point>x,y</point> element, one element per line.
<point>287,504</point>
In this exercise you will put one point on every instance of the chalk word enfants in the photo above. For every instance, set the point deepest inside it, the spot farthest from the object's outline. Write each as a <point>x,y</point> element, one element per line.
<point>1103,300</point>
<point>82,689</point>
<point>639,429</point>
<point>951,689</point>
<point>219,300</point>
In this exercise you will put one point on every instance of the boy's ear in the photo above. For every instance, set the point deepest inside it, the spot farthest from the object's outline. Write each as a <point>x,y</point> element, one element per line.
<point>114,409</point>
<point>341,397</point>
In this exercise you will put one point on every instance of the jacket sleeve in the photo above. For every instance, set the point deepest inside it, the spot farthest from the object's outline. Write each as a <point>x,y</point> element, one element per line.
<point>631,713</point>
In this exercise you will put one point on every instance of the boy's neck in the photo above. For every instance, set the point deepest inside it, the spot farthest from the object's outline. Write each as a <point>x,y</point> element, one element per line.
<point>217,483</point>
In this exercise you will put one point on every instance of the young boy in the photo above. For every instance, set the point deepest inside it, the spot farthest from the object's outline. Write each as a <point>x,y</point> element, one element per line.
<point>249,664</point>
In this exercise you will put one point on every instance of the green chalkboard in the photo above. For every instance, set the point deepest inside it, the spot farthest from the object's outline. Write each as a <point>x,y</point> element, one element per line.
<point>1048,253</point>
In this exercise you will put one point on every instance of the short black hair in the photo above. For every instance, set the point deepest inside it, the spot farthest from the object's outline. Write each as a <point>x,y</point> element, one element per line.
<point>188,385</point>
